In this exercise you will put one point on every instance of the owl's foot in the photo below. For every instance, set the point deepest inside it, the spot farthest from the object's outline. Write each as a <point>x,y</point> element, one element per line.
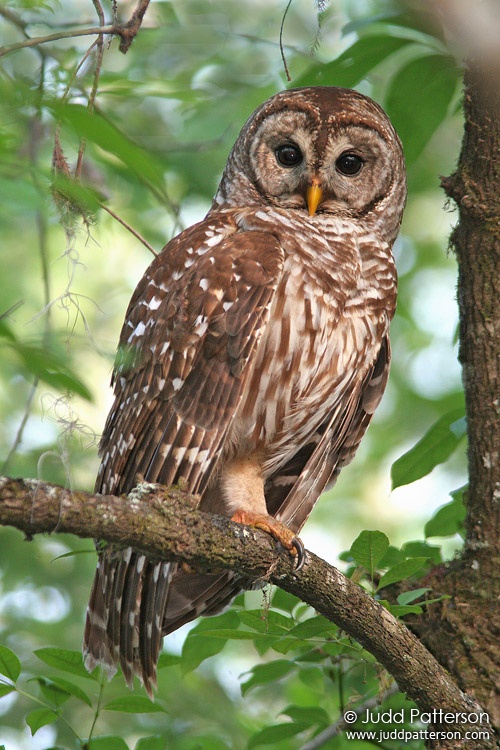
<point>276,529</point>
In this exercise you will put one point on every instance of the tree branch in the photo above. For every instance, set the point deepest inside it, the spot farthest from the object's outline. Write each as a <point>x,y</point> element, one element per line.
<point>34,41</point>
<point>129,228</point>
<point>164,523</point>
<point>126,31</point>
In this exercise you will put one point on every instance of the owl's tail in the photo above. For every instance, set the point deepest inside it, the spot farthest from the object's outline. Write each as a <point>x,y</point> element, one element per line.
<point>125,614</point>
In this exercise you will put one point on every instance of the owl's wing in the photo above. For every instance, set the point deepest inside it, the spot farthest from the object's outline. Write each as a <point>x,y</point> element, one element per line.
<point>293,491</point>
<point>186,348</point>
<point>185,352</point>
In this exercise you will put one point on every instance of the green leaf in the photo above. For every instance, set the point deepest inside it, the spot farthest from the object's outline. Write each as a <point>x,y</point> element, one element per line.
<point>314,678</point>
<point>52,369</point>
<point>155,742</point>
<point>5,689</point>
<point>270,622</point>
<point>400,610</point>
<point>345,556</point>
<point>284,601</point>
<point>197,647</point>
<point>65,660</point>
<point>54,694</point>
<point>97,129</point>
<point>6,331</point>
<point>72,689</point>
<point>422,549</point>
<point>238,635</point>
<point>229,619</point>
<point>262,674</point>
<point>354,63</point>
<point>10,666</point>
<point>40,718</point>
<point>280,645</point>
<point>419,98</point>
<point>168,660</point>
<point>369,548</point>
<point>311,628</point>
<point>73,553</point>
<point>134,704</point>
<point>334,648</point>
<point>46,363</point>
<point>307,715</point>
<point>391,557</point>
<point>401,571</point>
<point>409,596</point>
<point>275,733</point>
<point>106,743</point>
<point>416,21</point>
<point>448,519</point>
<point>436,446</point>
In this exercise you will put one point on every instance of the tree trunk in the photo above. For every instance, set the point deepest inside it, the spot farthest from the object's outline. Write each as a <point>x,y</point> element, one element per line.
<point>464,632</point>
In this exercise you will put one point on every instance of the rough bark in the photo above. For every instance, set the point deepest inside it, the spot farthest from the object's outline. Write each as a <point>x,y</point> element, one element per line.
<point>464,633</point>
<point>165,523</point>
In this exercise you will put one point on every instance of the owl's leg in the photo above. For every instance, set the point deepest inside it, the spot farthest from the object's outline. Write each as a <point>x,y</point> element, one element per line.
<point>242,485</point>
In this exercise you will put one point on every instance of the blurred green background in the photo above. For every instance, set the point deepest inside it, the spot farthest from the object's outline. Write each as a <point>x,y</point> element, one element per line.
<point>165,117</point>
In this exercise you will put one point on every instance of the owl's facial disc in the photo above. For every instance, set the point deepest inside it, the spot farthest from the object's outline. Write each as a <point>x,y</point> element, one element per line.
<point>297,163</point>
<point>319,155</point>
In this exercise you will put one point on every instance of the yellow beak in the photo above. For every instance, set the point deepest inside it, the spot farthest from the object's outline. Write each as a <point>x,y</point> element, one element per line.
<point>314,196</point>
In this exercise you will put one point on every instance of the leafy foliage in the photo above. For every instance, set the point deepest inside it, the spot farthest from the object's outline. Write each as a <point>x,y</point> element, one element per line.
<point>436,446</point>
<point>305,652</point>
<point>145,136</point>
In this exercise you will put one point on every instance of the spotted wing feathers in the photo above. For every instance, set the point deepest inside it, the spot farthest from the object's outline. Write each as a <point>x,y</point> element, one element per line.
<point>186,350</point>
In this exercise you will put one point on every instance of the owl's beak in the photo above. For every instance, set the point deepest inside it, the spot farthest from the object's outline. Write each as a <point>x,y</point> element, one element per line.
<point>314,195</point>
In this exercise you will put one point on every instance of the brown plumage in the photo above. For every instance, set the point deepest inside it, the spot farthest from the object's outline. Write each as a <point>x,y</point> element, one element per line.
<point>254,352</point>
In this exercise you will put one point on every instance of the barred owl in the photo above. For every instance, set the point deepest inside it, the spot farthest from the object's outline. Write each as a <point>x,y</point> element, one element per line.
<point>257,351</point>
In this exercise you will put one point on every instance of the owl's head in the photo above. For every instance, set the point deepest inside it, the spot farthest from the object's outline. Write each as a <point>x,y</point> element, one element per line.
<point>319,151</point>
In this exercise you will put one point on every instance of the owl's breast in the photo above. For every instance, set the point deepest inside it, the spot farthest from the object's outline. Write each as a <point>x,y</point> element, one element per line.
<point>317,343</point>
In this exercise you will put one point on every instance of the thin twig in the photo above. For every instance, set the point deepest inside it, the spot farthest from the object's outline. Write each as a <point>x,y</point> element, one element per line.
<point>100,54</point>
<point>282,50</point>
<point>99,43</point>
<point>20,430</point>
<point>129,228</point>
<point>70,34</point>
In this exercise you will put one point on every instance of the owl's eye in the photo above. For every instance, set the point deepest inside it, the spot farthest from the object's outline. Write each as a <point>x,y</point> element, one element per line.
<point>349,164</point>
<point>289,155</point>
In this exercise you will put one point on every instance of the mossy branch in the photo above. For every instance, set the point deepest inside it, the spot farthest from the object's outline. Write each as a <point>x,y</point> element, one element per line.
<point>165,523</point>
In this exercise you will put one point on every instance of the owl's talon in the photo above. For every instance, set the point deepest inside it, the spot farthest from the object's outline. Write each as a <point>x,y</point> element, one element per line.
<point>276,529</point>
<point>300,550</point>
